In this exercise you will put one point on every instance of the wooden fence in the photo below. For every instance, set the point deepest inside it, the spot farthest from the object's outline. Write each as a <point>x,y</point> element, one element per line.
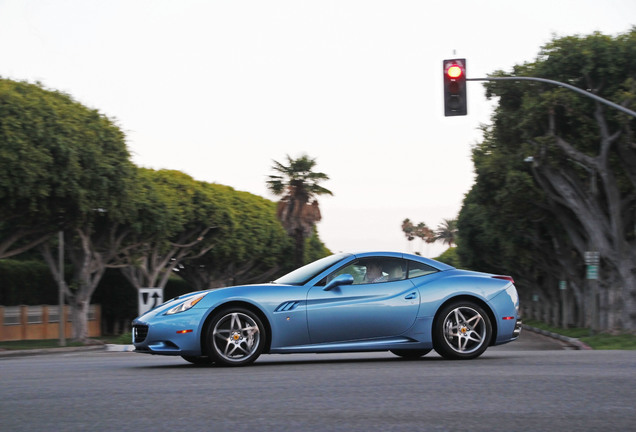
<point>42,322</point>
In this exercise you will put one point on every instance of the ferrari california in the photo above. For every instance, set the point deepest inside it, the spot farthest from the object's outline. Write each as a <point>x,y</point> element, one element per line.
<point>372,301</point>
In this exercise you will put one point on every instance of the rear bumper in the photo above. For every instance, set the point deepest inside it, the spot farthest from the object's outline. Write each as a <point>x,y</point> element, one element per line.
<point>517,331</point>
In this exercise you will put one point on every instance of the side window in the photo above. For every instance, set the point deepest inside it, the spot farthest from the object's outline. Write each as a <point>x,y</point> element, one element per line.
<point>395,269</point>
<point>417,269</point>
<point>371,270</point>
<point>355,269</point>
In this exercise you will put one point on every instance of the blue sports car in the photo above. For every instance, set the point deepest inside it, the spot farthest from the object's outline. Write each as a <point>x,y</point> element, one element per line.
<point>373,301</point>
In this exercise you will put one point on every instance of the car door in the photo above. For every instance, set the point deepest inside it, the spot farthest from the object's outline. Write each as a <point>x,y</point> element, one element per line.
<point>362,310</point>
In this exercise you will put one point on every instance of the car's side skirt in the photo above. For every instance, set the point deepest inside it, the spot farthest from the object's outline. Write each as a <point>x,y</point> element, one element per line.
<point>384,344</point>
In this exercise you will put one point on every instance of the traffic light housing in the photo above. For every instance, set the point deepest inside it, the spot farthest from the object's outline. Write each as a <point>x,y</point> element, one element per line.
<point>455,87</point>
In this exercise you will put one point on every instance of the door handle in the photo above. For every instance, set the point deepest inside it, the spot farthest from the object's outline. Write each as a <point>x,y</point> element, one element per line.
<point>411,296</point>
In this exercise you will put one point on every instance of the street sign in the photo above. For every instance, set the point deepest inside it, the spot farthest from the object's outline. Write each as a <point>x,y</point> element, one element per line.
<point>592,257</point>
<point>592,272</point>
<point>149,298</point>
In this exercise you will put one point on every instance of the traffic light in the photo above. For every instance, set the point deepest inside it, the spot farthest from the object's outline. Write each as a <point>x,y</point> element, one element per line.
<point>455,87</point>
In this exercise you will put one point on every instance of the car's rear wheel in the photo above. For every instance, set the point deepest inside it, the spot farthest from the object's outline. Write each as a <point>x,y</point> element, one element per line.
<point>411,354</point>
<point>462,331</point>
<point>198,360</point>
<point>235,337</point>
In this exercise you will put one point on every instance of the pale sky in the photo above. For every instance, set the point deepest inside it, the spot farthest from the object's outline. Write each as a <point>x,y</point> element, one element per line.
<point>219,89</point>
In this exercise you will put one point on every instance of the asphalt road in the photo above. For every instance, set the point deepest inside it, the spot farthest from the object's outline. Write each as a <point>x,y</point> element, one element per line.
<point>532,384</point>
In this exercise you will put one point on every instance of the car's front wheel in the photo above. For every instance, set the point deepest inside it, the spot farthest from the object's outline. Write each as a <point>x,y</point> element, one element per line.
<point>235,337</point>
<point>462,331</point>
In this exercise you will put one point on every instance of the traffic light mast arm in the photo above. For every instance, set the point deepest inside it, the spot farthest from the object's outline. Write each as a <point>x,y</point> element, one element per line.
<point>558,83</point>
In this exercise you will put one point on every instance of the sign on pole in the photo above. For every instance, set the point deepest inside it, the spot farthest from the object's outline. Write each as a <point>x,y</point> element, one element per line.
<point>149,298</point>
<point>592,257</point>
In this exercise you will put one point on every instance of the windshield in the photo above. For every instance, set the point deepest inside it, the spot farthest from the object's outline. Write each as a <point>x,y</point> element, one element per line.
<point>305,273</point>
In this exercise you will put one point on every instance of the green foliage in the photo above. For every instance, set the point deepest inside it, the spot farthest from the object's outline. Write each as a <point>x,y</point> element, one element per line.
<point>66,167</point>
<point>547,181</point>
<point>250,244</point>
<point>57,158</point>
<point>124,339</point>
<point>600,341</point>
<point>26,283</point>
<point>315,248</point>
<point>297,177</point>
<point>611,342</point>
<point>449,257</point>
<point>573,332</point>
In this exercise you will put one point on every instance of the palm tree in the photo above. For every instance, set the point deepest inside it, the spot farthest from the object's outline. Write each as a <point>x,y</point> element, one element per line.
<point>408,229</point>
<point>298,208</point>
<point>421,231</point>
<point>447,232</point>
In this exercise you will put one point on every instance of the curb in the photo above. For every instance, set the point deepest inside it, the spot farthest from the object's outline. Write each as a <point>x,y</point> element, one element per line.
<point>119,348</point>
<point>575,343</point>
<point>60,350</point>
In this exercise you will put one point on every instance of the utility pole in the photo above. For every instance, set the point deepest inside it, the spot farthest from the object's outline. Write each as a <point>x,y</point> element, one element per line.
<point>60,292</point>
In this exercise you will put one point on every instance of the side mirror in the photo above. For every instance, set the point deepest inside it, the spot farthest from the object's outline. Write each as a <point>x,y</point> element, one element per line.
<point>343,279</point>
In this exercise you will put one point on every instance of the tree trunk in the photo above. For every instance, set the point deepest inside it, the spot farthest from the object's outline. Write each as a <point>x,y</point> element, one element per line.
<point>299,254</point>
<point>79,317</point>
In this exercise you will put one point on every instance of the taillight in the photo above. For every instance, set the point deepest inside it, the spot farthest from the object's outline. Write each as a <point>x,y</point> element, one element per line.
<point>508,278</point>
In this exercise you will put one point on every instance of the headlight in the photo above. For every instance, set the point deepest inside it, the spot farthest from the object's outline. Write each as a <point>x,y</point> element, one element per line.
<point>188,304</point>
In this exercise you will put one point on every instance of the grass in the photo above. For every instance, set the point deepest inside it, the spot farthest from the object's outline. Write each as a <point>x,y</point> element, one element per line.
<point>611,342</point>
<point>600,341</point>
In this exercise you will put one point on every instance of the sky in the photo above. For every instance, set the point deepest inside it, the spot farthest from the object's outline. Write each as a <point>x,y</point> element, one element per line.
<point>221,89</point>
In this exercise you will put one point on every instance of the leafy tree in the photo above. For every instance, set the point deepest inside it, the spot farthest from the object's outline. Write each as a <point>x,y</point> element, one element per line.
<point>408,229</point>
<point>177,218</point>
<point>449,257</point>
<point>298,209</point>
<point>53,154</point>
<point>250,247</point>
<point>421,231</point>
<point>62,166</point>
<point>577,190</point>
<point>315,248</point>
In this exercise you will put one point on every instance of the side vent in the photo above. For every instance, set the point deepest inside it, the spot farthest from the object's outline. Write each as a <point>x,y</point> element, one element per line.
<point>288,305</point>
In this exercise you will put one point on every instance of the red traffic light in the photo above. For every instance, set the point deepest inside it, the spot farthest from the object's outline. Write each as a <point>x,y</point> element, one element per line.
<point>454,71</point>
<point>455,87</point>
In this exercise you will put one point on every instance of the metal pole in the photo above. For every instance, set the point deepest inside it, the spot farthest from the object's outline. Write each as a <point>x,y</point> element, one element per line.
<point>60,292</point>
<point>560,84</point>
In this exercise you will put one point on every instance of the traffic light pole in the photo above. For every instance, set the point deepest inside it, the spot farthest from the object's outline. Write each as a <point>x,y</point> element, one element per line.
<point>560,84</point>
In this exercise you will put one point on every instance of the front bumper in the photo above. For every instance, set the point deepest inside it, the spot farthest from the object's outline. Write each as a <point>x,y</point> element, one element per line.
<point>178,334</point>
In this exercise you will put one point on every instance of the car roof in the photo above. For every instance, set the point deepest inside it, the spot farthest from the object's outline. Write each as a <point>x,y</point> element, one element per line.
<point>431,262</point>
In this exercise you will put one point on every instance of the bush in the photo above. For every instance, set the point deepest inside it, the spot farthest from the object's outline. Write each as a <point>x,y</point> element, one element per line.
<point>449,257</point>
<point>26,283</point>
<point>30,282</point>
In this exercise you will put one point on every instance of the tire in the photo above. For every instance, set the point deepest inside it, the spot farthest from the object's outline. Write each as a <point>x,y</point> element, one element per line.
<point>199,360</point>
<point>411,354</point>
<point>235,337</point>
<point>462,331</point>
